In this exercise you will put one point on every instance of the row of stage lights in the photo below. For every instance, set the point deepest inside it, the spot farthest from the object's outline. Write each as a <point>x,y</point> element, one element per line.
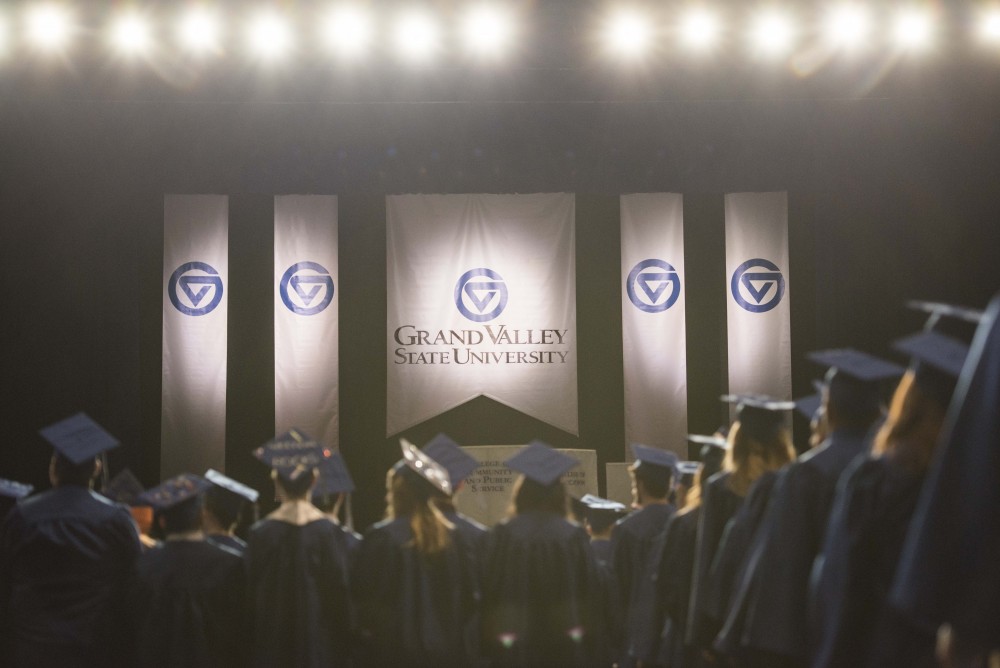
<point>485,31</point>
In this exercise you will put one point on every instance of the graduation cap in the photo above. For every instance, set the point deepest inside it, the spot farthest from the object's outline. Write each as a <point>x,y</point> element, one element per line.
<point>601,513</point>
<point>14,490</point>
<point>938,310</point>
<point>123,488</point>
<point>937,361</point>
<point>291,454</point>
<point>541,463</point>
<point>425,467</point>
<point>654,462</point>
<point>449,454</point>
<point>759,416</point>
<point>708,441</point>
<point>857,365</point>
<point>334,478</point>
<point>79,438</point>
<point>233,486</point>
<point>808,405</point>
<point>172,492</point>
<point>686,472</point>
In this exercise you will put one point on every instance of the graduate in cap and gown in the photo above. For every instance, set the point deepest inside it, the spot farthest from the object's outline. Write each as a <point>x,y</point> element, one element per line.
<point>125,489</point>
<point>875,501</point>
<point>767,621</point>
<point>652,476</point>
<point>599,517</point>
<point>187,599</point>
<point>758,445</point>
<point>544,601</point>
<point>414,581</point>
<point>460,466</point>
<point>225,501</point>
<point>673,561</point>
<point>332,496</point>
<point>949,571</point>
<point>65,558</point>
<point>297,567</point>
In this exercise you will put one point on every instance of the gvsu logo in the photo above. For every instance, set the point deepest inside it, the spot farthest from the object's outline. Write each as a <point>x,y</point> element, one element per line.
<point>481,294</point>
<point>306,288</point>
<point>757,285</point>
<point>653,286</point>
<point>195,288</point>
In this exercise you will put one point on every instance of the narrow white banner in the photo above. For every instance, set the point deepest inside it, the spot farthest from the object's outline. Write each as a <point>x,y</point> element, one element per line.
<point>760,340</point>
<point>306,340</point>
<point>196,285</point>
<point>653,332</point>
<point>481,301</point>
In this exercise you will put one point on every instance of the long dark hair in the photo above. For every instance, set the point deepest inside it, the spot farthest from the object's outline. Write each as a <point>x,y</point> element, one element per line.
<point>411,496</point>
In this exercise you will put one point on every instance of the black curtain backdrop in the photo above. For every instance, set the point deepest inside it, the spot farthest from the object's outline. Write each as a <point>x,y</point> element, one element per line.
<point>892,195</point>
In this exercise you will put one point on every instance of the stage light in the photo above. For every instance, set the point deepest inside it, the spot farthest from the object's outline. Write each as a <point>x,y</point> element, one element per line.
<point>199,30</point>
<point>913,29</point>
<point>269,36</point>
<point>699,29</point>
<point>772,33</point>
<point>486,30</point>
<point>417,36</point>
<point>49,26</point>
<point>130,34</point>
<point>989,25</point>
<point>347,31</point>
<point>847,25</point>
<point>629,33</point>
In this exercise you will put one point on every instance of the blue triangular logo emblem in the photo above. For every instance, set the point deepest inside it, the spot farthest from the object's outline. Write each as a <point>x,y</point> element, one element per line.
<point>653,284</point>
<point>758,284</point>
<point>315,281</point>
<point>473,290</point>
<point>206,283</point>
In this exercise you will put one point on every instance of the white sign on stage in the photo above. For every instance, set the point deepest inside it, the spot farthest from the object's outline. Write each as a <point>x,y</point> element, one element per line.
<point>486,494</point>
<point>618,482</point>
<point>481,302</point>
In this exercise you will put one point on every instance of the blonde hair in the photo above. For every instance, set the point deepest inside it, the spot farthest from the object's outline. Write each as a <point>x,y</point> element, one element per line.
<point>406,497</point>
<point>910,433</point>
<point>749,458</point>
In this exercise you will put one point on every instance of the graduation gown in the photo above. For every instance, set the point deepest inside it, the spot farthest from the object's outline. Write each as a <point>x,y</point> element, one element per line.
<point>949,571</point>
<point>718,505</point>
<point>187,606</point>
<point>872,510</point>
<point>65,559</point>
<point>413,609</point>
<point>770,610</point>
<point>544,597</point>
<point>672,584</point>
<point>732,558</point>
<point>297,579</point>
<point>631,546</point>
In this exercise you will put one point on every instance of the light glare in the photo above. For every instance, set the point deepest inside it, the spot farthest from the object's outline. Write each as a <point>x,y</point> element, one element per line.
<point>848,26</point>
<point>347,31</point>
<point>48,26</point>
<point>629,33</point>
<point>269,36</point>
<point>487,31</point>
<point>417,36</point>
<point>199,31</point>
<point>772,33</point>
<point>913,29</point>
<point>699,29</point>
<point>989,25</point>
<point>131,34</point>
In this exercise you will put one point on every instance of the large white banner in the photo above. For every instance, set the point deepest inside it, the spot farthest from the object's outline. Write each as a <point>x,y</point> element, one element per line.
<point>306,284</point>
<point>653,332</point>
<point>196,285</point>
<point>482,301</point>
<point>760,340</point>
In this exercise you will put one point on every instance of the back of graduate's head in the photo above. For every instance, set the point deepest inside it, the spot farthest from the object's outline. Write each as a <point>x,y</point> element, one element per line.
<point>182,517</point>
<point>411,496</point>
<point>294,485</point>
<point>532,496</point>
<point>223,506</point>
<point>652,482</point>
<point>910,432</point>
<point>63,471</point>
<point>754,449</point>
<point>850,403</point>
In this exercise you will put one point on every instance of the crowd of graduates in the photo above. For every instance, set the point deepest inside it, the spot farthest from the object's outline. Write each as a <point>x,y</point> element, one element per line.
<point>877,547</point>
